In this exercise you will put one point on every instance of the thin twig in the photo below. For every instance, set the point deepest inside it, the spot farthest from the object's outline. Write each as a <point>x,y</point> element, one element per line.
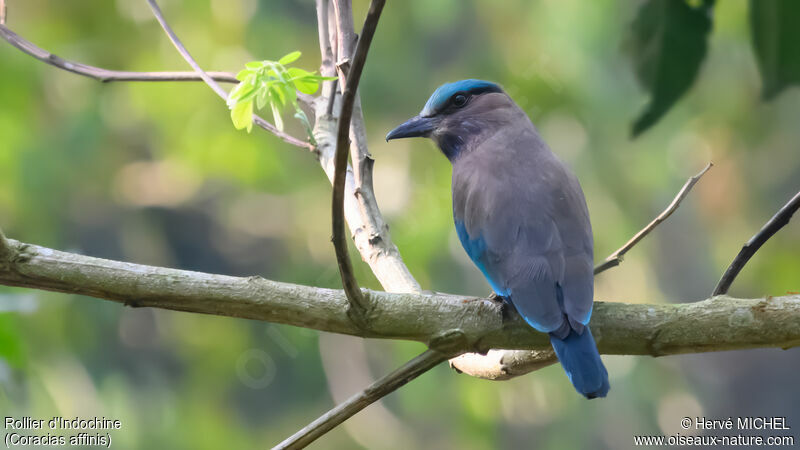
<point>184,52</point>
<point>213,84</point>
<point>106,75</point>
<point>100,74</point>
<point>349,282</point>
<point>778,221</point>
<point>616,258</point>
<point>377,390</point>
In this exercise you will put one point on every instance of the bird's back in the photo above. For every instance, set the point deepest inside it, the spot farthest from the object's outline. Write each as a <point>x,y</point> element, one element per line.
<point>522,217</point>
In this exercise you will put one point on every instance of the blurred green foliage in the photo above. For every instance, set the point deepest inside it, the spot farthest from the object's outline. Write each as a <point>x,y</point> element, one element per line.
<point>154,173</point>
<point>776,42</point>
<point>668,42</point>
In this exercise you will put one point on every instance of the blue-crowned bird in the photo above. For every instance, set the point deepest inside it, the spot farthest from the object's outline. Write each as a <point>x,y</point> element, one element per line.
<point>521,216</point>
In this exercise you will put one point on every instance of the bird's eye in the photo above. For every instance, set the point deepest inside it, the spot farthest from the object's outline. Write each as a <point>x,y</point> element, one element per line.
<point>460,100</point>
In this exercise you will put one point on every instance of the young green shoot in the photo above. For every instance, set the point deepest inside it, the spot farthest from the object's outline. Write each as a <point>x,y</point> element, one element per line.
<point>272,84</point>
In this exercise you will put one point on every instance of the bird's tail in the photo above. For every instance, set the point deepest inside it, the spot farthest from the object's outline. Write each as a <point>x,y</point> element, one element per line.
<point>581,360</point>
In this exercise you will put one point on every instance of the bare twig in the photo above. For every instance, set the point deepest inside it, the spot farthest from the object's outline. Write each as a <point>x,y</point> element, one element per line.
<point>100,74</point>
<point>615,258</point>
<point>778,221</point>
<point>213,84</point>
<point>106,75</point>
<point>377,390</point>
<point>185,53</point>
<point>349,282</point>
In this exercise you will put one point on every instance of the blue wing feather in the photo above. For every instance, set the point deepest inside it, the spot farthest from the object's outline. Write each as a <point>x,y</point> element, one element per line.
<point>476,249</point>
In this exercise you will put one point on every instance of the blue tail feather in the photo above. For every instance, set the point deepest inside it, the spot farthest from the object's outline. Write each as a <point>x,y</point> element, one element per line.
<point>581,360</point>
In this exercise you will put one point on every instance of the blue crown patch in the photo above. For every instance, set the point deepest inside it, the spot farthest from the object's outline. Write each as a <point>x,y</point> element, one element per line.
<point>441,95</point>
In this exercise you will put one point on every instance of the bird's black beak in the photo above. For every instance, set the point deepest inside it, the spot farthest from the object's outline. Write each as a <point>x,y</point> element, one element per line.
<point>414,127</point>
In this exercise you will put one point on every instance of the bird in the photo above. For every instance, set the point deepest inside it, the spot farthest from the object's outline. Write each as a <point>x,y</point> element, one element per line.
<point>521,216</point>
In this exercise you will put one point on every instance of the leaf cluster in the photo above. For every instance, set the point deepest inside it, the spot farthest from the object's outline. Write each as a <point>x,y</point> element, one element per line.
<point>272,84</point>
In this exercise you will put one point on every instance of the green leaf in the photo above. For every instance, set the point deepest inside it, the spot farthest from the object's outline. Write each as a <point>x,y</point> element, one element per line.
<point>306,85</point>
<point>244,73</point>
<point>775,29</point>
<point>290,58</point>
<point>261,99</point>
<point>667,43</point>
<point>321,78</point>
<point>242,90</point>
<point>277,93</point>
<point>291,93</point>
<point>272,83</point>
<point>296,72</point>
<point>276,113</point>
<point>242,115</point>
<point>304,81</point>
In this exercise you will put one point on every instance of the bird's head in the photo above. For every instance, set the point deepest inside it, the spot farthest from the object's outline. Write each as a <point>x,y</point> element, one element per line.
<point>457,114</point>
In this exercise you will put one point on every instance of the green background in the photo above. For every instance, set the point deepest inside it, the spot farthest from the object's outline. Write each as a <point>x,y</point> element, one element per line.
<point>155,173</point>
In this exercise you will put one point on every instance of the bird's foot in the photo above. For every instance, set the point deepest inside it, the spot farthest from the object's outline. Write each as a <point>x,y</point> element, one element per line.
<point>507,309</point>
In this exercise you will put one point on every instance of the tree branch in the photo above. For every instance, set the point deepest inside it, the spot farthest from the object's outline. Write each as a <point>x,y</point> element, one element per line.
<point>367,227</point>
<point>99,73</point>
<point>446,323</point>
<point>5,248</point>
<point>778,221</point>
<point>377,390</point>
<point>185,53</point>
<point>106,75</point>
<point>357,302</point>
<point>213,84</point>
<point>615,258</point>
